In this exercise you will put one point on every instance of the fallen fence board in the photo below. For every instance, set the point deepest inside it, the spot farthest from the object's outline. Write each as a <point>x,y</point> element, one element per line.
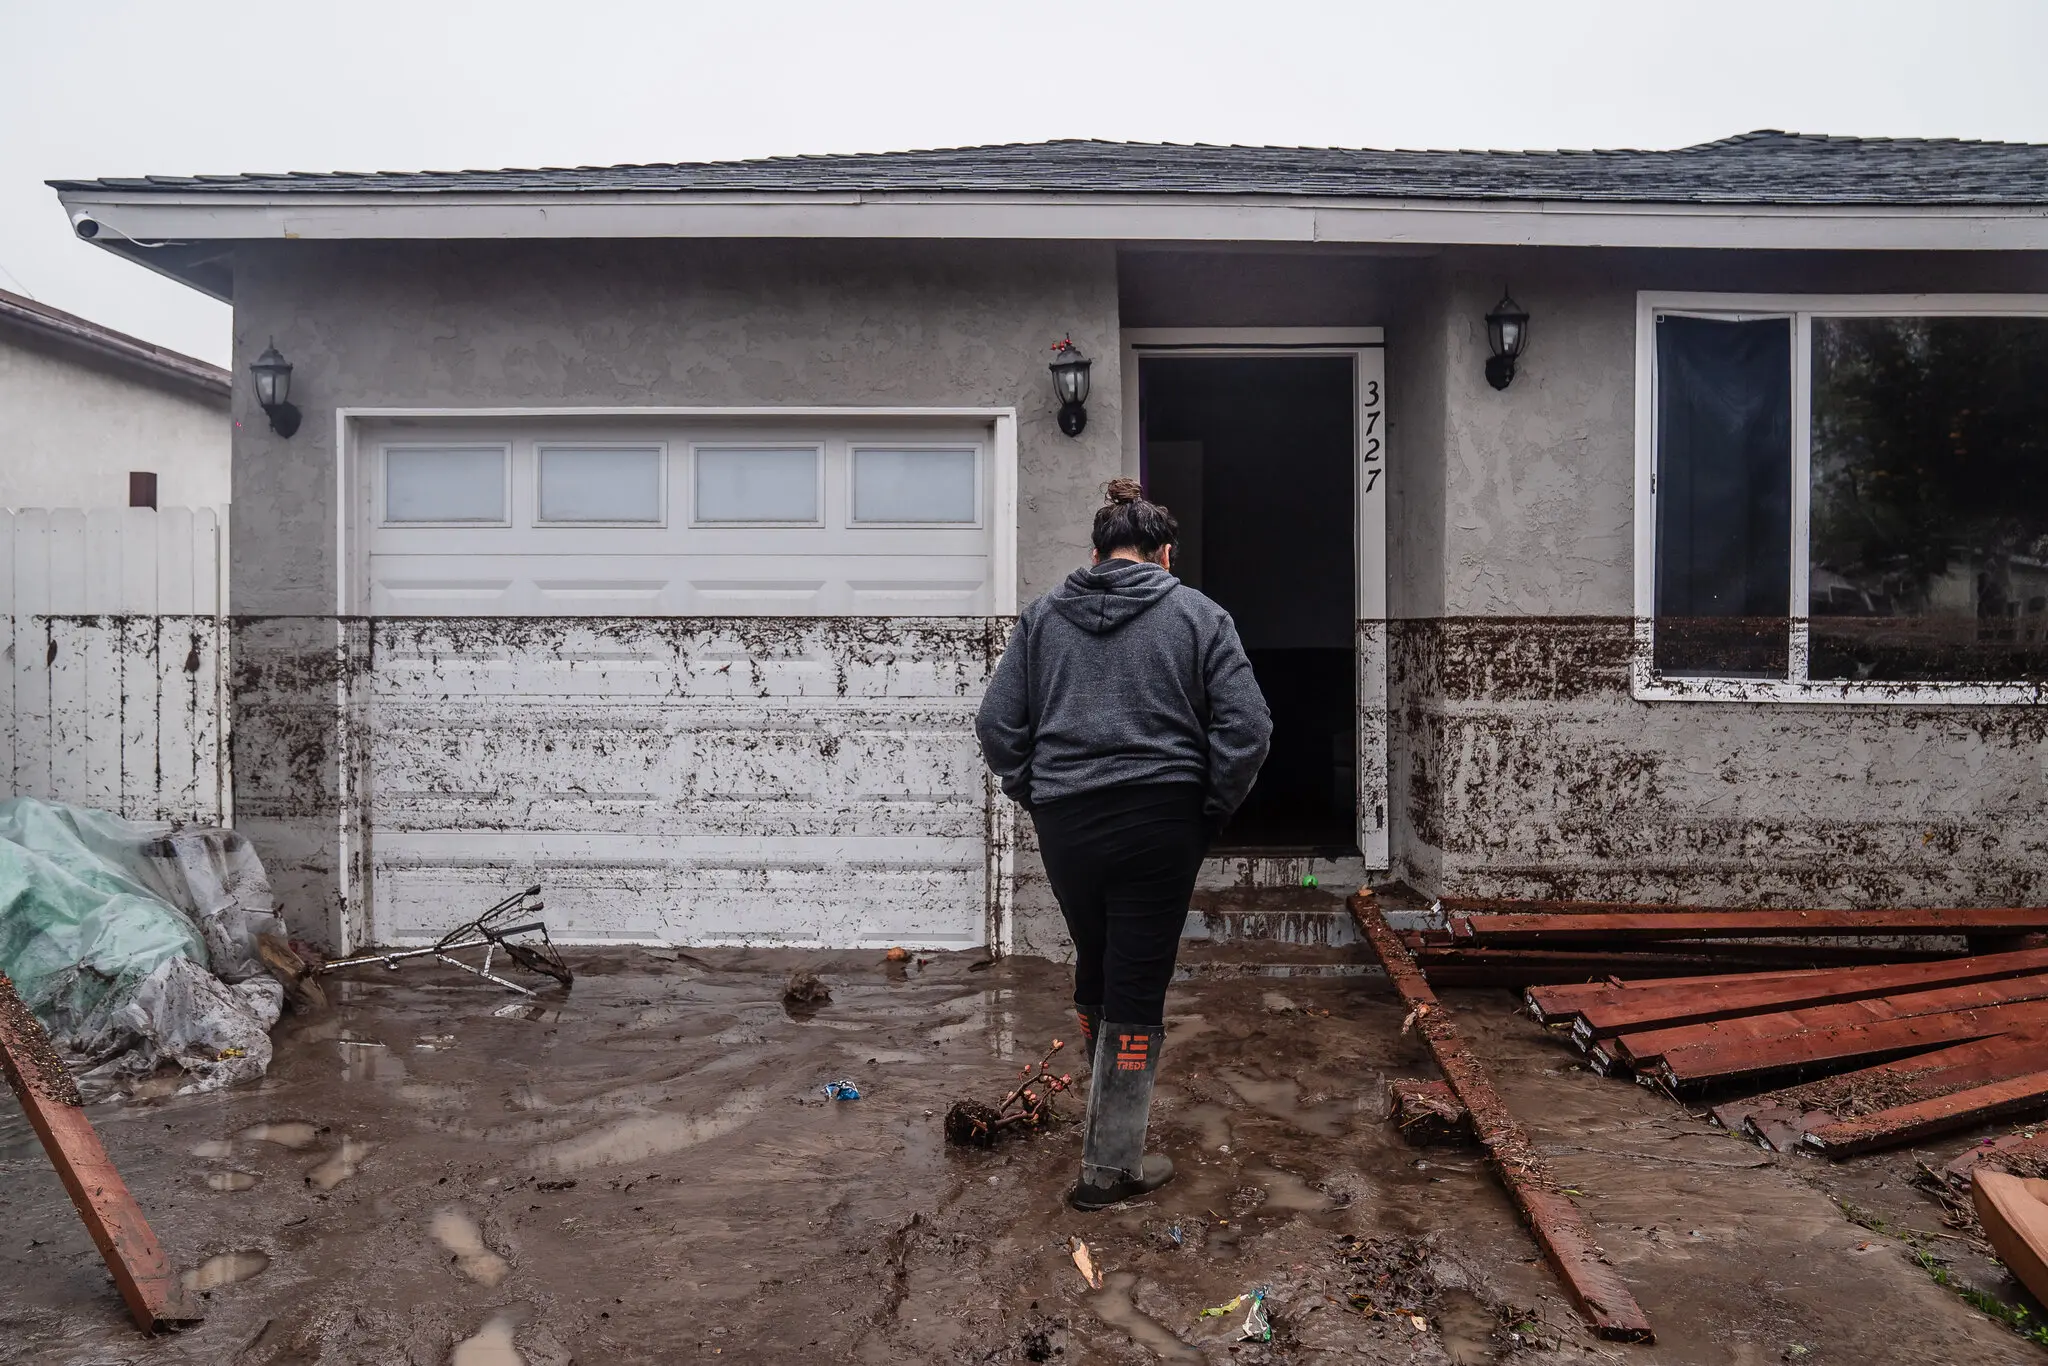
<point>50,1099</point>
<point>1557,1004</point>
<point>1684,1069</point>
<point>1669,1005</point>
<point>1640,1048</point>
<point>1923,1076</point>
<point>1943,1114</point>
<point>2022,1154</point>
<point>1559,1228</point>
<point>1611,929</point>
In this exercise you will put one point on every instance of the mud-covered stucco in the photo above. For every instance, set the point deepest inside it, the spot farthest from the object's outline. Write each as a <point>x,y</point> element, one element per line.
<point>686,323</point>
<point>1519,761</point>
<point>1521,764</point>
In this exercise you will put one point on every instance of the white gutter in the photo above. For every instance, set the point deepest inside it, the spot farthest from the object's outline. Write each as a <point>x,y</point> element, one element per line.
<point>149,218</point>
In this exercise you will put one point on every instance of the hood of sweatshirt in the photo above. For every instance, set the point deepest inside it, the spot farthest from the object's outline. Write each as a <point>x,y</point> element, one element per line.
<point>1102,597</point>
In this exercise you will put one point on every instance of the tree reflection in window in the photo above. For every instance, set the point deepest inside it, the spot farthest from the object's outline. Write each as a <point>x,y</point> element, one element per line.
<point>1929,526</point>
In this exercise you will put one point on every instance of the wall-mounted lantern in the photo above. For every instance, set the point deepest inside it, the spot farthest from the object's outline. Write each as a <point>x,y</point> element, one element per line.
<point>1070,382</point>
<point>274,389</point>
<point>1507,332</point>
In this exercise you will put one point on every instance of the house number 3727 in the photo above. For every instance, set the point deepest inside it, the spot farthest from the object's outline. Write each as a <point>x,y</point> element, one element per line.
<point>1370,439</point>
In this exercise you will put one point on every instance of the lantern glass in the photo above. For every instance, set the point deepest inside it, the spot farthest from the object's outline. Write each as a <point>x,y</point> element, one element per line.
<point>1507,328</point>
<point>1070,380</point>
<point>273,378</point>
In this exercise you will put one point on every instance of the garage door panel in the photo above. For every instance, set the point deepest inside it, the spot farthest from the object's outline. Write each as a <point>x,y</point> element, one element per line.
<point>791,890</point>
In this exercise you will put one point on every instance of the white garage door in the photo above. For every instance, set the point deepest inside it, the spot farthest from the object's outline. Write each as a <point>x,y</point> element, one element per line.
<point>707,683</point>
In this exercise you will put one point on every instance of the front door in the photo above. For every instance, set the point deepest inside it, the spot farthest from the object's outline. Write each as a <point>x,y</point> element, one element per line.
<point>1272,457</point>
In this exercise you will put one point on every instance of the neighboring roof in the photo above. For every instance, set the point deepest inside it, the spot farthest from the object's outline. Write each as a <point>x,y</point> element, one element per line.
<point>1760,168</point>
<point>69,331</point>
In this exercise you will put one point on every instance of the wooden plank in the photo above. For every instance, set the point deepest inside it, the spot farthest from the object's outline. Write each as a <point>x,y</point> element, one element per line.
<point>1642,1048</point>
<point>1611,930</point>
<point>99,636</point>
<point>1560,1229</point>
<point>1686,1069</point>
<point>1667,1006</point>
<point>1554,1004</point>
<point>50,1099</point>
<point>1996,1100</point>
<point>1902,1081</point>
<point>2014,1213</point>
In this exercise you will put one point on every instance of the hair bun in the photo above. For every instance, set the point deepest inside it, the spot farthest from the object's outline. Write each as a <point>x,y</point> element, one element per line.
<point>1124,491</point>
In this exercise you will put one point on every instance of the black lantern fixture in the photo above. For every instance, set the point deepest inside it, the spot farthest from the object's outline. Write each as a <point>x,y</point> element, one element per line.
<point>274,389</point>
<point>1070,382</point>
<point>1507,332</point>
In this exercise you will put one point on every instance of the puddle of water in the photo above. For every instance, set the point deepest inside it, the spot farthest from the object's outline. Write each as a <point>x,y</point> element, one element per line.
<point>1287,1191</point>
<point>213,1147</point>
<point>294,1134</point>
<point>369,1062</point>
<point>1214,1123</point>
<point>1114,1307</point>
<point>231,1181</point>
<point>645,1136</point>
<point>457,1232</point>
<point>1282,1101</point>
<point>492,1346</point>
<point>1467,1328</point>
<point>225,1269</point>
<point>155,1088</point>
<point>339,1166</point>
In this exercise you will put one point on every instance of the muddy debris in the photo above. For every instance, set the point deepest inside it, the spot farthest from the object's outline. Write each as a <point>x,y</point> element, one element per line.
<point>805,988</point>
<point>1029,1108</point>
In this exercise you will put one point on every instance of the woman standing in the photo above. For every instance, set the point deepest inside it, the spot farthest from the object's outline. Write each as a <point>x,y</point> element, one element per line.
<point>1124,717</point>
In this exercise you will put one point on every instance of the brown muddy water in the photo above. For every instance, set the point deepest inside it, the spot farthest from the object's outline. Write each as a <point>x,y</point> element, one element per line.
<point>647,1170</point>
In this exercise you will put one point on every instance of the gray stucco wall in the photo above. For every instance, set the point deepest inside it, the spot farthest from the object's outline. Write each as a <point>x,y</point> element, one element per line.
<point>1522,764</point>
<point>629,324</point>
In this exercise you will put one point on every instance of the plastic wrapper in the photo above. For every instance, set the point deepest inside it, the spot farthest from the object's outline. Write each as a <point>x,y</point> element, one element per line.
<point>135,944</point>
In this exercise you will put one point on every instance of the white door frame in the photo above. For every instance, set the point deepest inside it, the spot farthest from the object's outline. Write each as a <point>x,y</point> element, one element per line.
<point>1366,346</point>
<point>352,596</point>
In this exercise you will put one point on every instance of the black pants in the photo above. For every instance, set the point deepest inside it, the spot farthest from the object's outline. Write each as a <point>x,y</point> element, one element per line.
<point>1122,861</point>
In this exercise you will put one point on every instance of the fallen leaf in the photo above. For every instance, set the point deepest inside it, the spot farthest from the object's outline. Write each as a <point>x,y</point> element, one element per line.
<point>1421,1323</point>
<point>1086,1263</point>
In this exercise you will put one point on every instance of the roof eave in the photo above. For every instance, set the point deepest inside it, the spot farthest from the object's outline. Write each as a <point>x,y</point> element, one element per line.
<point>166,230</point>
<point>119,351</point>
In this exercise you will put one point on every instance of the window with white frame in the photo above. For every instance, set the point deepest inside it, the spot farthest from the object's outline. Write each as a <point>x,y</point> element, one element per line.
<point>1848,495</point>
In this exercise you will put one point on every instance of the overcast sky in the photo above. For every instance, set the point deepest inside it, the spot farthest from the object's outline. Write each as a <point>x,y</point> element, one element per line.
<point>120,87</point>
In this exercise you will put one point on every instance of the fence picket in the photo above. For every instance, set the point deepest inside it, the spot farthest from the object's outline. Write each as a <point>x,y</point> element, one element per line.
<point>112,637</point>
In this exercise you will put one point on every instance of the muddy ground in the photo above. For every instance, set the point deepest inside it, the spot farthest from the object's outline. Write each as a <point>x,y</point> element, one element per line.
<point>648,1171</point>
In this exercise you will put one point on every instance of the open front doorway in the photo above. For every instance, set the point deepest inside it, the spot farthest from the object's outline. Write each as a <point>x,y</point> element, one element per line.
<point>1257,451</point>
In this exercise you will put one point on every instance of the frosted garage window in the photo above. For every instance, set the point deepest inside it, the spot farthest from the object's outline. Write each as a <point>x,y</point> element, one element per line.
<point>776,484</point>
<point>600,484</point>
<point>445,484</point>
<point>923,485</point>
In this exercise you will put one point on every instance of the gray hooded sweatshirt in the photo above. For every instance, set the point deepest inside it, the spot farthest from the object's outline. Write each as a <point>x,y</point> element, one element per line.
<point>1123,674</point>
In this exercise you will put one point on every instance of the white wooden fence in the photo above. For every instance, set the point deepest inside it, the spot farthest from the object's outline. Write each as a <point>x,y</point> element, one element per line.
<point>113,690</point>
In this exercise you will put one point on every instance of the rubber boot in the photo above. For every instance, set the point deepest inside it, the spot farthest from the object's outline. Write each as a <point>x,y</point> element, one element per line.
<point>1114,1164</point>
<point>1091,1025</point>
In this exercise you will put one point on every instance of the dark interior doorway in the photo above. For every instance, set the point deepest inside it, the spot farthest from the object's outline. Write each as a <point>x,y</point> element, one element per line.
<point>1253,456</point>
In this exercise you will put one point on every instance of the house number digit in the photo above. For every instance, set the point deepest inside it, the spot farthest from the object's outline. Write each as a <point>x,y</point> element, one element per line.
<point>1372,477</point>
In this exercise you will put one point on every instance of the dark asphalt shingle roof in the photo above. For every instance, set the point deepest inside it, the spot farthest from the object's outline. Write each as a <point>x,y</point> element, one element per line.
<point>1755,168</point>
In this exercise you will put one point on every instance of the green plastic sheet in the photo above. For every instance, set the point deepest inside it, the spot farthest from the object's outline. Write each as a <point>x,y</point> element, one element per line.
<point>84,916</point>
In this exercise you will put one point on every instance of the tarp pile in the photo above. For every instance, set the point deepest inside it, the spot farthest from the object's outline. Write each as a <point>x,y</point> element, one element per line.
<point>135,944</point>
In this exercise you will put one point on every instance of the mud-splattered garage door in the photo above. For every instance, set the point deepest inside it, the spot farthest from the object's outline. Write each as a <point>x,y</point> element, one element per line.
<point>706,682</point>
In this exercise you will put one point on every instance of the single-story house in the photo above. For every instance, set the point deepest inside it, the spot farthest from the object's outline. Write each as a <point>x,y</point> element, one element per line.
<point>94,418</point>
<point>1632,525</point>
